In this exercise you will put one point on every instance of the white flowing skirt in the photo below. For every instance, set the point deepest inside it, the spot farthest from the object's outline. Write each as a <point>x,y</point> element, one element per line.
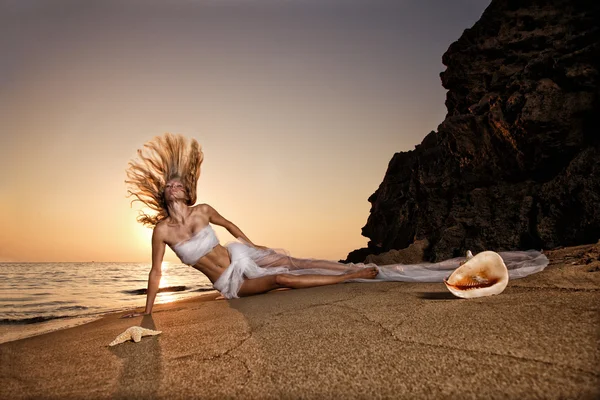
<point>248,262</point>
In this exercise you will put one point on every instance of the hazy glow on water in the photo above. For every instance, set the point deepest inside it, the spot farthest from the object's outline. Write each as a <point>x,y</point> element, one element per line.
<point>43,291</point>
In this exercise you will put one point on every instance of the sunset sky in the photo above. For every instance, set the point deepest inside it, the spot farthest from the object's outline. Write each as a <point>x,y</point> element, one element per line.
<point>299,105</point>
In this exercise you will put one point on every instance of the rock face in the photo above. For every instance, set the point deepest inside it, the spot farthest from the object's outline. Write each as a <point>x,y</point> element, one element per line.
<point>516,162</point>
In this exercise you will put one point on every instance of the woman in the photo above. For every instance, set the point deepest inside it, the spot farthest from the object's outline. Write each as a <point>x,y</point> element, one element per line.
<point>186,228</point>
<point>164,179</point>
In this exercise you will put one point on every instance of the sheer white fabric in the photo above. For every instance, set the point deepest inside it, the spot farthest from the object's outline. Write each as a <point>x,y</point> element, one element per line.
<point>191,250</point>
<point>249,262</point>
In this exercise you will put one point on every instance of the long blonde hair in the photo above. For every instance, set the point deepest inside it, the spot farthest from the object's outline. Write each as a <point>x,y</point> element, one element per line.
<point>160,160</point>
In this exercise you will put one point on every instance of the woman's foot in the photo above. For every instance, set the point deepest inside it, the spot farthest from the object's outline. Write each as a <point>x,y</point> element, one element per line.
<point>363,273</point>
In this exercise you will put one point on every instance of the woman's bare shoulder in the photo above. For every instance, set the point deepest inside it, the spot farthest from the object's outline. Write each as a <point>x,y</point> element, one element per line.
<point>203,208</point>
<point>161,229</point>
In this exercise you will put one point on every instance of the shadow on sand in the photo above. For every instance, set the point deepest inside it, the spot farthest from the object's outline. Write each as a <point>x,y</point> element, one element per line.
<point>437,296</point>
<point>141,363</point>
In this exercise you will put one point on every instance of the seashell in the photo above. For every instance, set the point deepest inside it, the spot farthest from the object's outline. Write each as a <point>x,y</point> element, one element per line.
<point>468,256</point>
<point>482,275</point>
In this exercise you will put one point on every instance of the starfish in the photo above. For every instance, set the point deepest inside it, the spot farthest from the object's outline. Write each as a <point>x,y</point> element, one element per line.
<point>134,333</point>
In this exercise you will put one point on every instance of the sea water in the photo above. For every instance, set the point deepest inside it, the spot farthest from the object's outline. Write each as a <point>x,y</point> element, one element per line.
<point>40,297</point>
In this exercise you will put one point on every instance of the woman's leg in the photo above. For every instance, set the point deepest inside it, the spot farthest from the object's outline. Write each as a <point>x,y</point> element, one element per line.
<point>271,282</point>
<point>282,260</point>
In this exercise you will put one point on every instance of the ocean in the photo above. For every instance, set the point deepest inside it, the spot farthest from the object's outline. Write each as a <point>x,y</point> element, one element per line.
<point>40,297</point>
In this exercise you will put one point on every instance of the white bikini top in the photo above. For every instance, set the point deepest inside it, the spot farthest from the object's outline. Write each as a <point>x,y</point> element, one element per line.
<point>191,250</point>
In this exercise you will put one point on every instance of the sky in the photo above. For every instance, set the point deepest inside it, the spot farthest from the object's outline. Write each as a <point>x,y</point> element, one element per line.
<point>299,105</point>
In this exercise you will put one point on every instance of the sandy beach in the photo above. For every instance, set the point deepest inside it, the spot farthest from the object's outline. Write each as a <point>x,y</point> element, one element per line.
<point>538,339</point>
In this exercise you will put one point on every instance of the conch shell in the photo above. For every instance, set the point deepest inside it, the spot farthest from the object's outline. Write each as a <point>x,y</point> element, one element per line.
<point>482,275</point>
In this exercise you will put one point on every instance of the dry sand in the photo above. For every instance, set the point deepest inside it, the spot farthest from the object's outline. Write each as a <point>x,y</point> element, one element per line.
<point>538,339</point>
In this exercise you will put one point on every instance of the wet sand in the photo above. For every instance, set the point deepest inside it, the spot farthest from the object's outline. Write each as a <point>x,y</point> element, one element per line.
<point>540,338</point>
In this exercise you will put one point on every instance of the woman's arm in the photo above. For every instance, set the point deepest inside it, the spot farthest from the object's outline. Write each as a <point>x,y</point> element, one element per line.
<point>158,252</point>
<point>217,219</point>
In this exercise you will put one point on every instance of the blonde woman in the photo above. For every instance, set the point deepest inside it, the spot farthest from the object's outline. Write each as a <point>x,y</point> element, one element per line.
<point>164,178</point>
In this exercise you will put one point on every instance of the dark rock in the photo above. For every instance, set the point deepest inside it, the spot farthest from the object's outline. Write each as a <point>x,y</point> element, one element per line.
<point>515,164</point>
<point>413,254</point>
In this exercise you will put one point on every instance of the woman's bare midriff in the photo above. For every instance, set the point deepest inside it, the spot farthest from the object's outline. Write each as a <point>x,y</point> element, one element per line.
<point>214,263</point>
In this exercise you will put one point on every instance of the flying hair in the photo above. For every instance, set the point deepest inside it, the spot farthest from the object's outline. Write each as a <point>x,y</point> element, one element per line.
<point>163,158</point>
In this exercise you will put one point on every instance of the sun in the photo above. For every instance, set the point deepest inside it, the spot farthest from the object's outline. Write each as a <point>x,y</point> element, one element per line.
<point>144,234</point>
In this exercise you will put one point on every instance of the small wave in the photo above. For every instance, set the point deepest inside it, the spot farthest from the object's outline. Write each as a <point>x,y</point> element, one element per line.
<point>48,303</point>
<point>13,299</point>
<point>33,320</point>
<point>160,290</point>
<point>72,308</point>
<point>204,289</point>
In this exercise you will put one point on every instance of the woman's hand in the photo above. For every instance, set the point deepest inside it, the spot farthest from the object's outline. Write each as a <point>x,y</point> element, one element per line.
<point>134,314</point>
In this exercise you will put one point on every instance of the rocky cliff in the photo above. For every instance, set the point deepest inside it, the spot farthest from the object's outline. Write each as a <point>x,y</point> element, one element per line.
<point>516,162</point>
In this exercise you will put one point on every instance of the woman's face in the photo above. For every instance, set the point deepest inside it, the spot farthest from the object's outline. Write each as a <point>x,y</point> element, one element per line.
<point>174,190</point>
